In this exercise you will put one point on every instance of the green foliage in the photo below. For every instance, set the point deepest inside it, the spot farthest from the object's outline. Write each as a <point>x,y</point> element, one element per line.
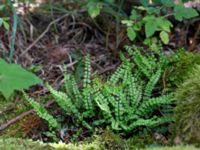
<point>154,22</point>
<point>20,144</point>
<point>4,20</point>
<point>123,102</point>
<point>187,110</point>
<point>42,112</point>
<point>97,144</point>
<point>180,13</point>
<point>14,77</point>
<point>94,7</point>
<point>112,141</point>
<point>24,144</point>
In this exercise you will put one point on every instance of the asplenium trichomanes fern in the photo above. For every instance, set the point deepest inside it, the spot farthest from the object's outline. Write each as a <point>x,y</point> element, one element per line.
<point>76,101</point>
<point>124,102</point>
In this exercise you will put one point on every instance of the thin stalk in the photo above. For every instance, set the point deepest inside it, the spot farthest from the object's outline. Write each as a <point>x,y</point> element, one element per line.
<point>14,30</point>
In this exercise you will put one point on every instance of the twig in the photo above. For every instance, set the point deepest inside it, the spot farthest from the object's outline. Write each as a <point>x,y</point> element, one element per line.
<point>7,124</point>
<point>9,108</point>
<point>41,35</point>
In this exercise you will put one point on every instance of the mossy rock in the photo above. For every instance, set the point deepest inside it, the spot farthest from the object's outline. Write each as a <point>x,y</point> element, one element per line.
<point>187,110</point>
<point>181,63</point>
<point>181,147</point>
<point>24,144</point>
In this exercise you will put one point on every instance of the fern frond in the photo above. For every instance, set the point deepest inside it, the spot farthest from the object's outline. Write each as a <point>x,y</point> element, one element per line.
<point>141,61</point>
<point>115,77</point>
<point>87,72</point>
<point>68,84</point>
<point>86,84</point>
<point>134,91</point>
<point>42,112</point>
<point>64,101</point>
<point>151,104</point>
<point>151,84</point>
<point>102,103</point>
<point>154,121</point>
<point>76,92</point>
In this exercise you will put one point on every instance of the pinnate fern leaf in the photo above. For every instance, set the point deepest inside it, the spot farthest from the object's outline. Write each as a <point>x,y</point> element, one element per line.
<point>42,112</point>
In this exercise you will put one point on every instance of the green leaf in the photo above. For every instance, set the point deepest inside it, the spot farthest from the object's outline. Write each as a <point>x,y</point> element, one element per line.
<point>6,25</point>
<point>150,26</point>
<point>181,12</point>
<point>144,2</point>
<point>164,24</point>
<point>127,22</point>
<point>137,26</point>
<point>164,37</point>
<point>94,8</point>
<point>133,15</point>
<point>168,3</point>
<point>14,77</point>
<point>131,33</point>
<point>152,10</point>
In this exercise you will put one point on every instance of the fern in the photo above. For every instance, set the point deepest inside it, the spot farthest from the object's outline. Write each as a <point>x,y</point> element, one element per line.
<point>64,101</point>
<point>151,84</point>
<point>147,106</point>
<point>42,112</point>
<point>86,84</point>
<point>123,102</point>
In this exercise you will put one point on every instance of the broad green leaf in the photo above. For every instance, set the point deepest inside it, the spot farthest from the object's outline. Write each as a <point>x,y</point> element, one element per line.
<point>144,2</point>
<point>127,22</point>
<point>164,37</point>
<point>168,3</point>
<point>150,27</point>
<point>131,33</point>
<point>6,25</point>
<point>181,12</point>
<point>14,77</point>
<point>133,15</point>
<point>94,8</point>
<point>149,17</point>
<point>137,26</point>
<point>164,24</point>
<point>152,10</point>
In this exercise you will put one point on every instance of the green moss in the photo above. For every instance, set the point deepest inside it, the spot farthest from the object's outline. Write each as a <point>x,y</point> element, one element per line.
<point>187,110</point>
<point>181,147</point>
<point>112,141</point>
<point>24,144</point>
<point>181,63</point>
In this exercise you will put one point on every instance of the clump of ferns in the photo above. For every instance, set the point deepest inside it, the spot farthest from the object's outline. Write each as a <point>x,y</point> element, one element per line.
<point>74,101</point>
<point>123,102</point>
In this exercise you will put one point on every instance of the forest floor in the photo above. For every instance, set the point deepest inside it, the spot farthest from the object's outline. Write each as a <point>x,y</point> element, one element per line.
<point>49,42</point>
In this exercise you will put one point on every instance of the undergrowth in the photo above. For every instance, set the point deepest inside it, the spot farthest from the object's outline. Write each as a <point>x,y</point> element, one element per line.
<point>125,102</point>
